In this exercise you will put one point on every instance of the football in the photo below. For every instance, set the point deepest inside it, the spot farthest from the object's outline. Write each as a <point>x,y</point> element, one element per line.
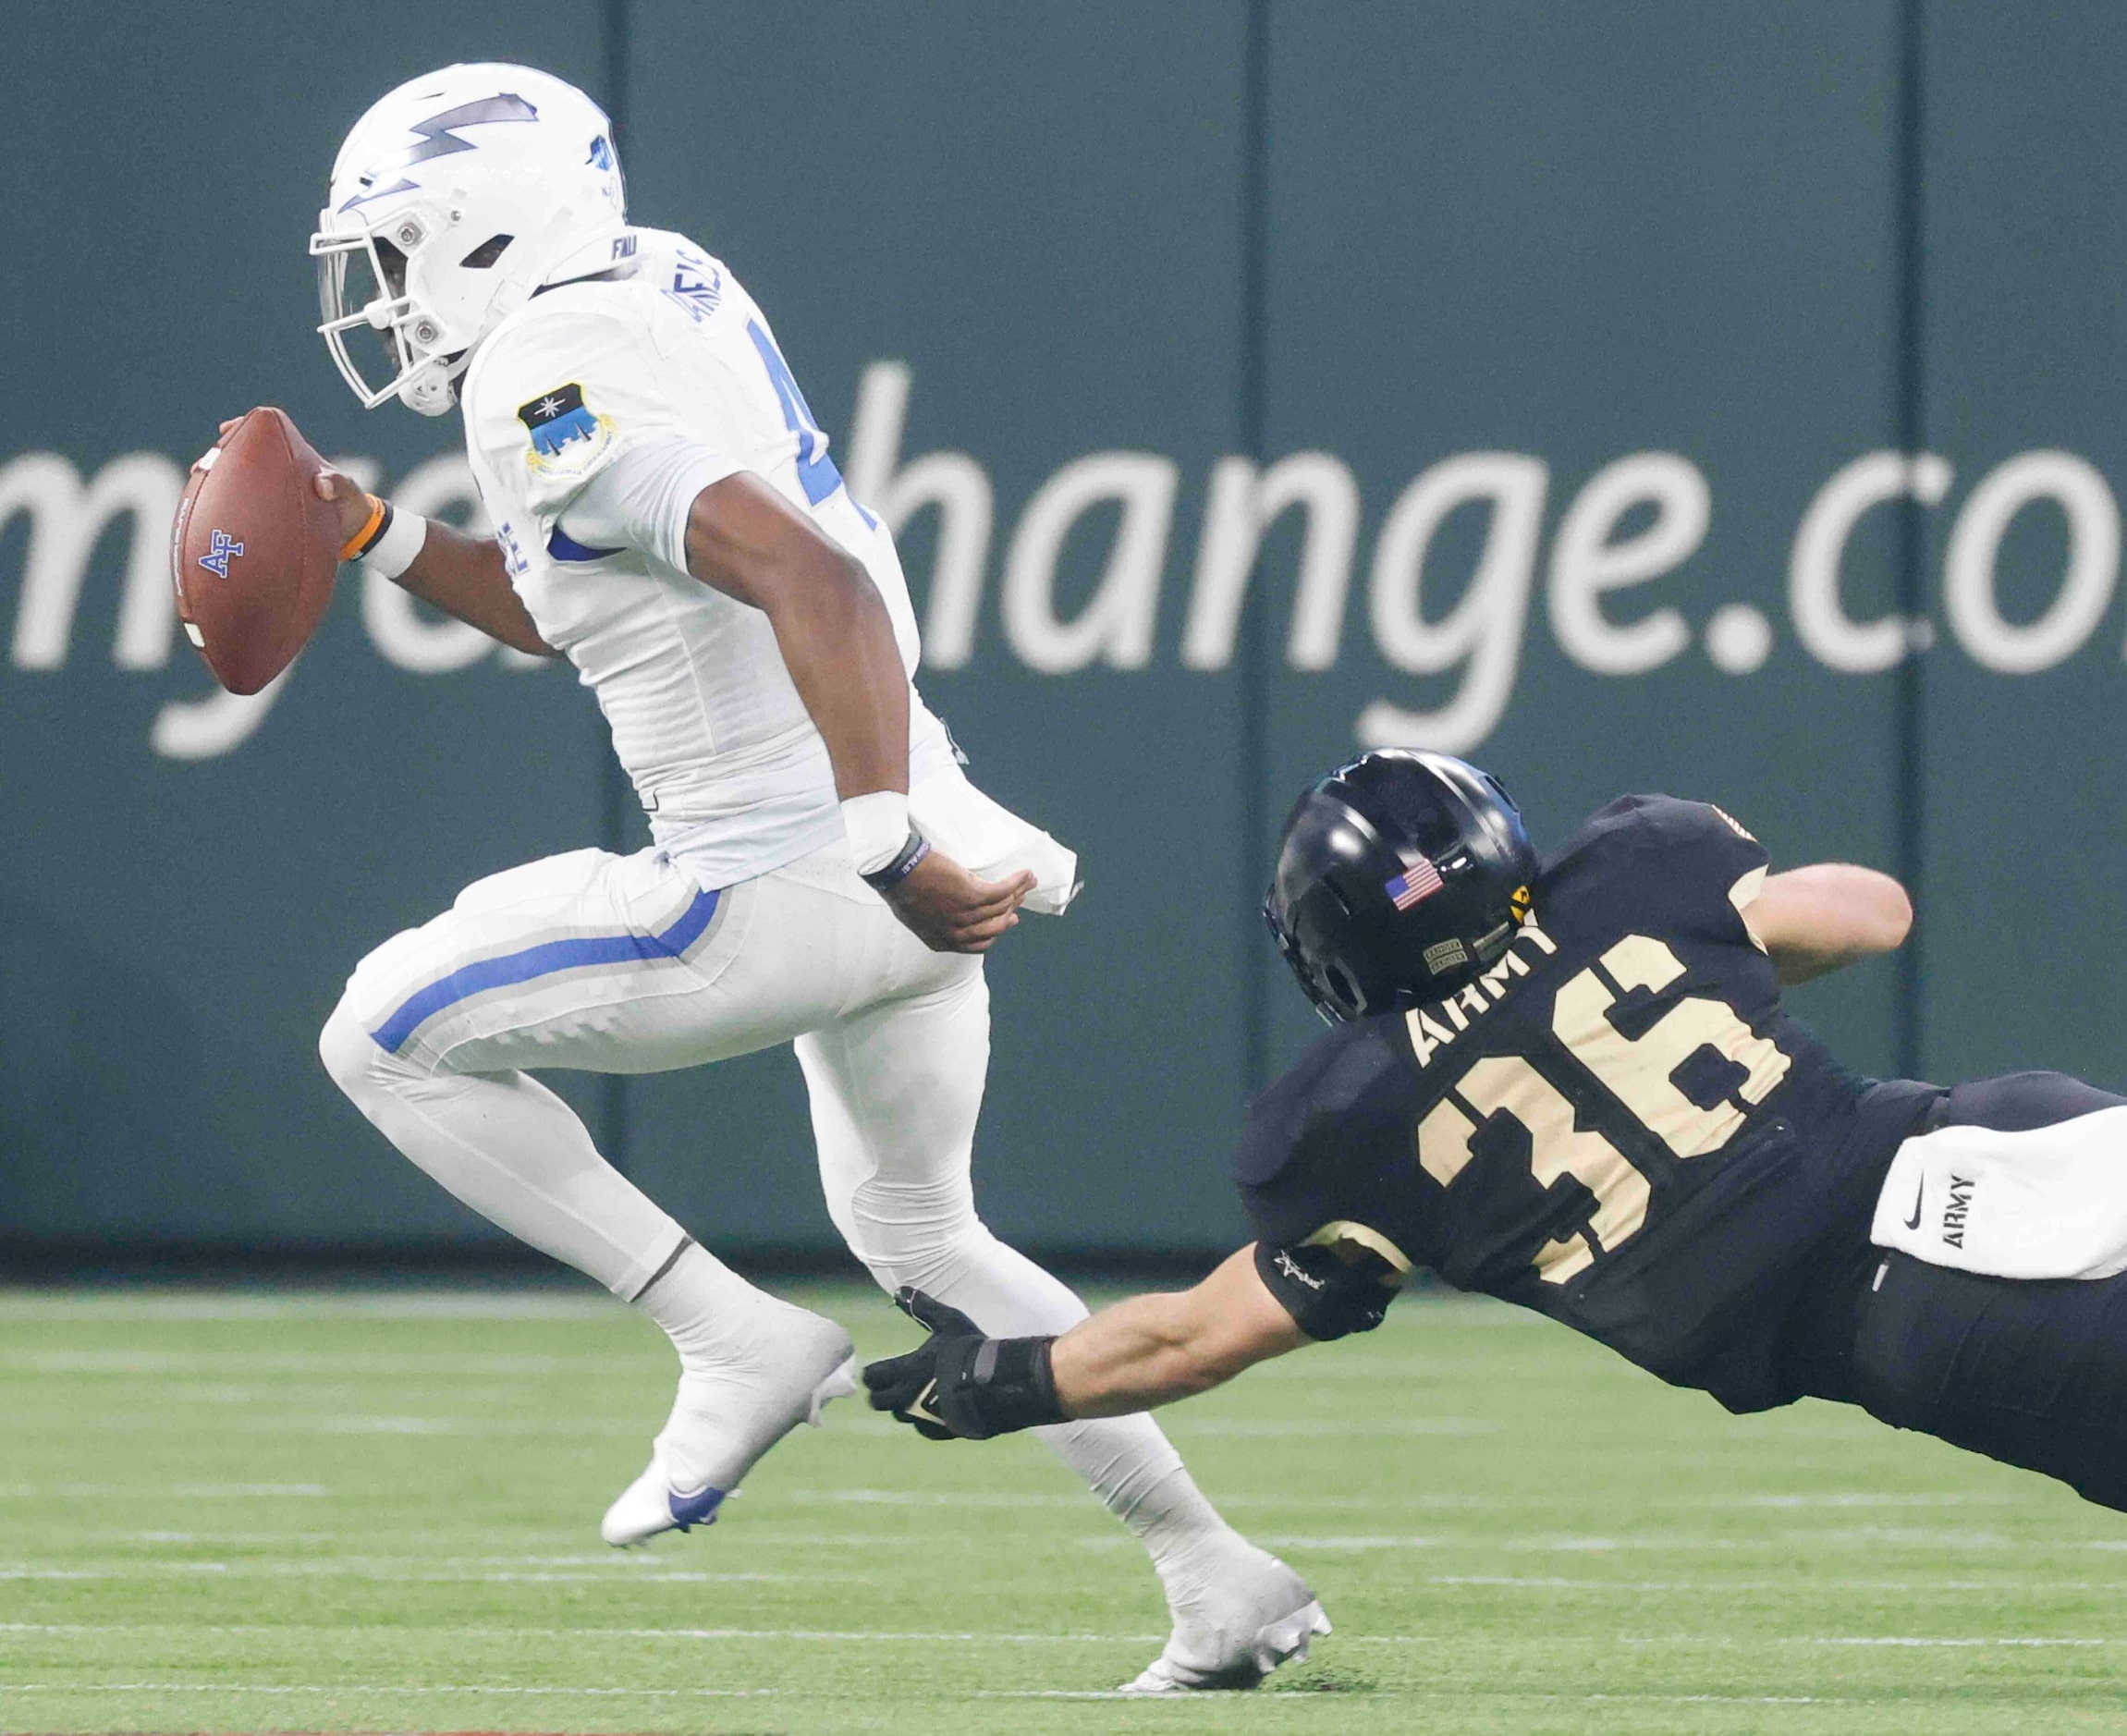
<point>254,551</point>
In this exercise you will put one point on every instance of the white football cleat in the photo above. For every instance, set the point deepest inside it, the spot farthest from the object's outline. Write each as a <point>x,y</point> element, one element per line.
<point>726,1417</point>
<point>1246,1618</point>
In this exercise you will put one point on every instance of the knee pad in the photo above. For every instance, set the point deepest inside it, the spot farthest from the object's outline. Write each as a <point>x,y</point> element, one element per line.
<point>905,1227</point>
<point>1006,1294</point>
<point>928,1257</point>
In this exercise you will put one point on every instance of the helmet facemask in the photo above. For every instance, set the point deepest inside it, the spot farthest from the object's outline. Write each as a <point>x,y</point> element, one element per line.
<point>373,326</point>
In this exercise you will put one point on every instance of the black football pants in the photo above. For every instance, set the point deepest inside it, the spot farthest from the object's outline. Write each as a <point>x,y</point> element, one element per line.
<point>2032,1374</point>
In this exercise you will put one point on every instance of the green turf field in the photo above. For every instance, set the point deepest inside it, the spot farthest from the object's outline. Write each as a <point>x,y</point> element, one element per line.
<point>231,1512</point>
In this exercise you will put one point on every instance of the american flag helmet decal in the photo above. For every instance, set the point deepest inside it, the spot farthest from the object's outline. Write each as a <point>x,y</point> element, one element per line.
<point>1419,881</point>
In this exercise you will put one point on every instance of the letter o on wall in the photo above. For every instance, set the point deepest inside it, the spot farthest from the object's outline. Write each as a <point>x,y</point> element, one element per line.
<point>1969,576</point>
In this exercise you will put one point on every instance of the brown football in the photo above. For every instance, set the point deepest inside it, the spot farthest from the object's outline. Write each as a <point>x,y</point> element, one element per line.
<point>254,551</point>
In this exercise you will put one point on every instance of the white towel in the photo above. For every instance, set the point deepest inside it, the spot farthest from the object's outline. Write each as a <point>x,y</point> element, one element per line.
<point>2048,1202</point>
<point>991,841</point>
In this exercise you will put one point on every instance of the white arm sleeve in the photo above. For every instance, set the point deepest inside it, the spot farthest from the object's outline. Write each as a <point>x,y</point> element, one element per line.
<point>641,496</point>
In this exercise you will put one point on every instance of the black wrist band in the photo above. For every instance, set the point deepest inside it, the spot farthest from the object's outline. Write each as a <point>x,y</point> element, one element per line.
<point>1011,1385</point>
<point>1043,1380</point>
<point>904,865</point>
<point>377,535</point>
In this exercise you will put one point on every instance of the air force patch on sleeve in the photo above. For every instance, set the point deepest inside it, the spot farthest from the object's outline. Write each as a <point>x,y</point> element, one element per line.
<point>568,435</point>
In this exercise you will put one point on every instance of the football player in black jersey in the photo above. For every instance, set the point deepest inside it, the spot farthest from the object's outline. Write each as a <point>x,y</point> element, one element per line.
<point>1571,1085</point>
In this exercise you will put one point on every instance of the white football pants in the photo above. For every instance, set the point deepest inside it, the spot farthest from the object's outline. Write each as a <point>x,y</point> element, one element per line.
<point>618,964</point>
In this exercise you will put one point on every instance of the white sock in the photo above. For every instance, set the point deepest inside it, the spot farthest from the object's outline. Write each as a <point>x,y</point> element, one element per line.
<point>739,1348</point>
<point>707,1310</point>
<point>1134,1468</point>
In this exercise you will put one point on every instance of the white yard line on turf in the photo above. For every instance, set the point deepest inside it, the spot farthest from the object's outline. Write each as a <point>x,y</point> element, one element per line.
<point>1730,1642</point>
<point>380,1305</point>
<point>143,1361</point>
<point>369,1687</point>
<point>1861,1498</point>
<point>1325,1428</point>
<point>816,1634</point>
<point>1864,1537</point>
<point>1605,1587</point>
<point>326,1570</point>
<point>1715,1699</point>
<point>838,1637</point>
<point>473,1427</point>
<point>931,1497</point>
<point>1301,1503</point>
<point>1198,1699</point>
<point>150,1492</point>
<point>861,1636</point>
<point>618,1565</point>
<point>215,1539</point>
<point>1895,1640</point>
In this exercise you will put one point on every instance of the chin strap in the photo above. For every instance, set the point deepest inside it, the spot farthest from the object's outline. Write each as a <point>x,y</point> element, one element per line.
<point>429,390</point>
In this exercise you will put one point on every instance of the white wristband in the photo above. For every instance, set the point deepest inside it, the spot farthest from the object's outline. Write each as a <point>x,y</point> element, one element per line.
<point>394,552</point>
<point>877,826</point>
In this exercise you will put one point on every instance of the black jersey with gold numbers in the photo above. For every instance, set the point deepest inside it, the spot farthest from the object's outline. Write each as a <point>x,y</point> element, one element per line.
<point>1616,1124</point>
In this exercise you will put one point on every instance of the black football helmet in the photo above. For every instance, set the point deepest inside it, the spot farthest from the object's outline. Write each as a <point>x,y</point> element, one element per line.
<point>1400,876</point>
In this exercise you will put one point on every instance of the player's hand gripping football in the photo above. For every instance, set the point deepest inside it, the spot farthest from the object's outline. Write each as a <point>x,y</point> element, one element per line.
<point>959,1385</point>
<point>949,911</point>
<point>343,493</point>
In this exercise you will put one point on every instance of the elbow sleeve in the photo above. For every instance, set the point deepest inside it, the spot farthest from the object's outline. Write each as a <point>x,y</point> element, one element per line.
<point>1327,1297</point>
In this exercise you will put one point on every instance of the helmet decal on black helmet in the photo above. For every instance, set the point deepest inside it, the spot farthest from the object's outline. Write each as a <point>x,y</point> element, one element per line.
<point>1419,881</point>
<point>1400,876</point>
<point>1446,956</point>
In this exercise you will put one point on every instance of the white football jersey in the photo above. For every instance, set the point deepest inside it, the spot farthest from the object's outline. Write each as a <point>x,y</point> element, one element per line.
<point>704,717</point>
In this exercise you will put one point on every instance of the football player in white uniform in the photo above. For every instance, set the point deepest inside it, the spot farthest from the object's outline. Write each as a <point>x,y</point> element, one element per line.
<point>667,516</point>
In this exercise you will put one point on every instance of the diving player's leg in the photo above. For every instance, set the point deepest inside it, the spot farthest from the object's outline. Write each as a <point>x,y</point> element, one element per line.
<point>2033,1372</point>
<point>620,965</point>
<point>896,1090</point>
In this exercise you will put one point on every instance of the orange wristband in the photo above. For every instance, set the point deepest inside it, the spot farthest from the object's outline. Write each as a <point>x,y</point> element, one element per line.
<point>358,544</point>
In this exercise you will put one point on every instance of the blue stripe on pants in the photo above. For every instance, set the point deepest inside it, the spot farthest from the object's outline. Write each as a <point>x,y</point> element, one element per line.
<point>541,960</point>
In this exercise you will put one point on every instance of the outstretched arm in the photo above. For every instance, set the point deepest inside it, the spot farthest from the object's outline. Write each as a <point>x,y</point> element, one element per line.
<point>1818,919</point>
<point>1153,1349</point>
<point>1149,1350</point>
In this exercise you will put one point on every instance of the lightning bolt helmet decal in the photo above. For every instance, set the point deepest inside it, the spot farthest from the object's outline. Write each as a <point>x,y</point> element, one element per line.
<point>437,140</point>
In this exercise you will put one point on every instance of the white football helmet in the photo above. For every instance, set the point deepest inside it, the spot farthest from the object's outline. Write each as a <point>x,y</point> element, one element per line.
<point>453,200</point>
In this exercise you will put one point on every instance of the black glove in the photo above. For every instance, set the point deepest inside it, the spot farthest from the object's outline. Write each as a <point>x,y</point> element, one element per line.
<point>957,1384</point>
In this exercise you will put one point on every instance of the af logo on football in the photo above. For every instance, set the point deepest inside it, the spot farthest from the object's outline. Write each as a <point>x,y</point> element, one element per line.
<point>224,549</point>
